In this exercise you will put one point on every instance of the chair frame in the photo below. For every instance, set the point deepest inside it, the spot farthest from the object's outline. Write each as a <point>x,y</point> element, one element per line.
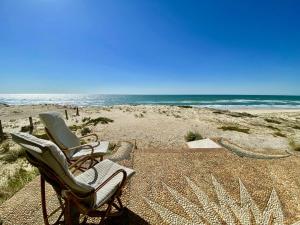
<point>73,200</point>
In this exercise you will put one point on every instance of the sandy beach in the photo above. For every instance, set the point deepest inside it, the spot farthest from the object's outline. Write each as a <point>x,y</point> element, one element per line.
<point>265,139</point>
<point>164,127</point>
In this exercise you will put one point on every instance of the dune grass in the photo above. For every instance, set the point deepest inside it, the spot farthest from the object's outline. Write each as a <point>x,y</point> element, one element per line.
<point>9,155</point>
<point>13,155</point>
<point>234,114</point>
<point>296,127</point>
<point>294,145</point>
<point>85,131</point>
<point>270,120</point>
<point>4,147</point>
<point>241,114</point>
<point>16,182</point>
<point>273,128</point>
<point>25,128</point>
<point>192,136</point>
<point>139,115</point>
<point>102,120</point>
<point>75,127</point>
<point>235,128</point>
<point>85,119</point>
<point>185,106</point>
<point>12,158</point>
<point>279,134</point>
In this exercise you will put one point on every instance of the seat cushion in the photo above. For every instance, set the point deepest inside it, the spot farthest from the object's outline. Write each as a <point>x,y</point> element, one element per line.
<point>98,174</point>
<point>98,151</point>
<point>59,131</point>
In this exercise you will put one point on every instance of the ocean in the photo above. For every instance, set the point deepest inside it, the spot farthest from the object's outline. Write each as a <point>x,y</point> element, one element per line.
<point>214,101</point>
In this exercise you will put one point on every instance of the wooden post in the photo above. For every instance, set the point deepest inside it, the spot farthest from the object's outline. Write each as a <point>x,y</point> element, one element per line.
<point>1,132</point>
<point>66,112</point>
<point>30,125</point>
<point>77,111</point>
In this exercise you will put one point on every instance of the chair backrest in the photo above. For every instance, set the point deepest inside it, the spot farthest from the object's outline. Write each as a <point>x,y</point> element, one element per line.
<point>59,131</point>
<point>47,153</point>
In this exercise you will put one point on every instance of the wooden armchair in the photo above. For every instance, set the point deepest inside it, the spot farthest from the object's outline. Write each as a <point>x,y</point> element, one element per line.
<point>79,196</point>
<point>68,142</point>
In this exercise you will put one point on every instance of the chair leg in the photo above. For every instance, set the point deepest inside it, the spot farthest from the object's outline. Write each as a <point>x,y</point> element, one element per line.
<point>107,211</point>
<point>47,216</point>
<point>43,198</point>
<point>120,203</point>
<point>71,214</point>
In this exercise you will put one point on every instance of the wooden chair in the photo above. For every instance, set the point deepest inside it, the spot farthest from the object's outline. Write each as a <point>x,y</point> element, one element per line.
<point>68,142</point>
<point>79,196</point>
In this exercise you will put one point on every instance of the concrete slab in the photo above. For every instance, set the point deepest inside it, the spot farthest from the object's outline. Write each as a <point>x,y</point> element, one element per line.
<point>203,144</point>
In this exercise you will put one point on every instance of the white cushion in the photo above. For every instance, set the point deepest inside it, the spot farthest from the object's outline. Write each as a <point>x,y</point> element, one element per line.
<point>98,174</point>
<point>101,149</point>
<point>59,130</point>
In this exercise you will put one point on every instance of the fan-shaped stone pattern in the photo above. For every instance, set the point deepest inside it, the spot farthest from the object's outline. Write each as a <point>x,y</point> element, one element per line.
<point>228,210</point>
<point>179,169</point>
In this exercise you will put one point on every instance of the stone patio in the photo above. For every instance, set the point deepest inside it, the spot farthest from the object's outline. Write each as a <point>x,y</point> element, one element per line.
<point>184,187</point>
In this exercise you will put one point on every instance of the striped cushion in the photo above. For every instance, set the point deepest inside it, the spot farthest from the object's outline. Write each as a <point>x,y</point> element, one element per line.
<point>98,174</point>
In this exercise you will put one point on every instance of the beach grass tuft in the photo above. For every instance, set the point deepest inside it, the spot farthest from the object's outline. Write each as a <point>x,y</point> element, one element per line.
<point>139,115</point>
<point>270,120</point>
<point>25,128</point>
<point>235,128</point>
<point>74,127</point>
<point>279,134</point>
<point>185,106</point>
<point>85,131</point>
<point>234,114</point>
<point>12,155</point>
<point>16,182</point>
<point>111,146</point>
<point>102,120</point>
<point>273,128</point>
<point>219,111</point>
<point>294,145</point>
<point>192,136</point>
<point>297,127</point>
<point>241,114</point>
<point>4,148</point>
<point>85,119</point>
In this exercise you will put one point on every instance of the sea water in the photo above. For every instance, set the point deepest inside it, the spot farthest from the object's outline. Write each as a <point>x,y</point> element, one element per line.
<point>215,101</point>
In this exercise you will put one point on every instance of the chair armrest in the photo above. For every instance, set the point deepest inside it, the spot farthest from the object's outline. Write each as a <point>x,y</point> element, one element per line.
<point>78,163</point>
<point>81,147</point>
<point>88,135</point>
<point>112,176</point>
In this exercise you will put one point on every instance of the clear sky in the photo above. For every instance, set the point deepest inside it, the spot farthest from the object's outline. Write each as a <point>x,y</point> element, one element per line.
<point>150,46</point>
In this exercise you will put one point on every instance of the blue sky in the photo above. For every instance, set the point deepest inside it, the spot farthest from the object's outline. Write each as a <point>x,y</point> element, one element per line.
<point>150,47</point>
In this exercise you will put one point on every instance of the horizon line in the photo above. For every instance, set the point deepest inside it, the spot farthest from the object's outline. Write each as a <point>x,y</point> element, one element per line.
<point>145,94</point>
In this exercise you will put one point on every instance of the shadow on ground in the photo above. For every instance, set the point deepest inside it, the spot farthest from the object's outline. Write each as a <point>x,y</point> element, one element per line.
<point>127,218</point>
